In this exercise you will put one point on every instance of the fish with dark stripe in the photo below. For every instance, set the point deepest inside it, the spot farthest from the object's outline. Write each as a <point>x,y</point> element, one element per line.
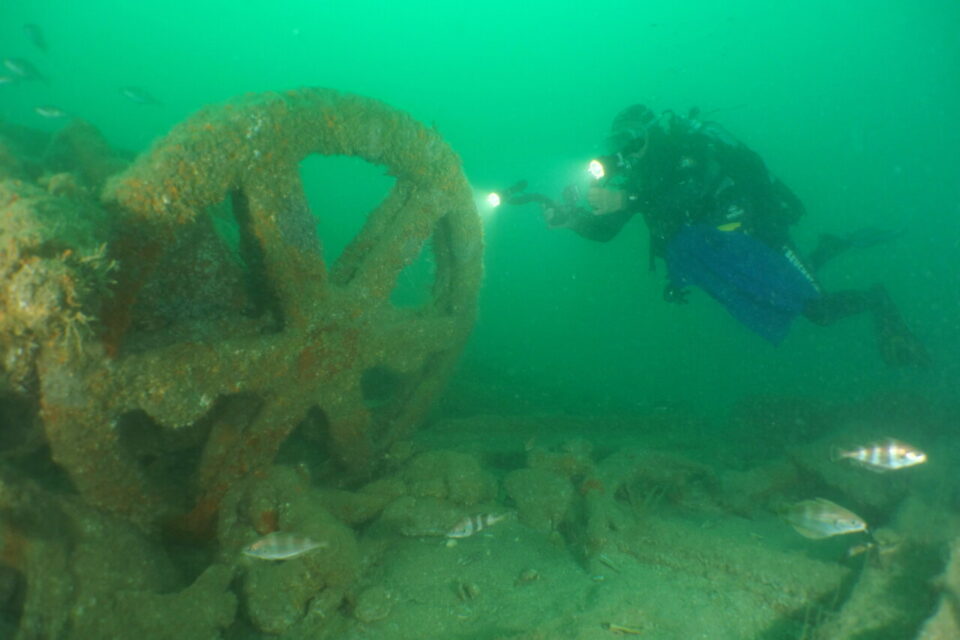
<point>475,524</point>
<point>885,455</point>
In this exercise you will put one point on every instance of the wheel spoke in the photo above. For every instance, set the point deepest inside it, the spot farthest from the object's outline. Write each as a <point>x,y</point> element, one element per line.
<point>392,243</point>
<point>333,334</point>
<point>405,338</point>
<point>349,423</point>
<point>278,215</point>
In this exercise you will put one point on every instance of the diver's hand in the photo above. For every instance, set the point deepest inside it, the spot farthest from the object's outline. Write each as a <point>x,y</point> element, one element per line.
<point>604,200</point>
<point>555,215</point>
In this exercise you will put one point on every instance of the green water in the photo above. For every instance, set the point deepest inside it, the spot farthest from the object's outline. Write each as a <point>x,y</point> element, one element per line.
<point>853,105</point>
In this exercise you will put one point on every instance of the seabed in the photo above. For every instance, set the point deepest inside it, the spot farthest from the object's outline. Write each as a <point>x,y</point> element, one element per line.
<point>182,373</point>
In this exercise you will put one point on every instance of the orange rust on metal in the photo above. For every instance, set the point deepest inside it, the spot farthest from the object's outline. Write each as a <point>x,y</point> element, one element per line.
<point>13,548</point>
<point>337,321</point>
<point>197,525</point>
<point>137,254</point>
<point>268,521</point>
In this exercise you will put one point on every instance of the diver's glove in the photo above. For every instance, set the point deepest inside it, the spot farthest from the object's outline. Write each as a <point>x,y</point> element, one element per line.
<point>675,294</point>
<point>563,213</point>
<point>555,215</point>
<point>604,200</point>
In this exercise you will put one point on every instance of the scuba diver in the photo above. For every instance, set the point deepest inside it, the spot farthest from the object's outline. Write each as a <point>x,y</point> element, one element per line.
<point>720,221</point>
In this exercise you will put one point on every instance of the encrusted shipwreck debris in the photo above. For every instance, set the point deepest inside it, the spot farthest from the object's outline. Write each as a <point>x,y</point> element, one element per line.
<point>286,335</point>
<point>302,593</point>
<point>79,573</point>
<point>53,270</point>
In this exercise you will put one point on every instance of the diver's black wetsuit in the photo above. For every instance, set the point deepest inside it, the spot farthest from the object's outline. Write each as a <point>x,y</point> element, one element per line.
<point>692,172</point>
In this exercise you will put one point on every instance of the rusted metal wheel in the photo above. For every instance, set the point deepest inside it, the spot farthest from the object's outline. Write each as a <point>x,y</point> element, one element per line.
<point>334,327</point>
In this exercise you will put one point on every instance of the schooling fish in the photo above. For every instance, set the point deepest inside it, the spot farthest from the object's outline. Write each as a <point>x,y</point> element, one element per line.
<point>35,35</point>
<point>50,111</point>
<point>820,518</point>
<point>139,95</point>
<point>475,524</point>
<point>885,455</point>
<point>23,69</point>
<point>281,545</point>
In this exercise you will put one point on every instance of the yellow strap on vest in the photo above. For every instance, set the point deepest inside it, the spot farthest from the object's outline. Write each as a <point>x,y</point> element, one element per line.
<point>730,226</point>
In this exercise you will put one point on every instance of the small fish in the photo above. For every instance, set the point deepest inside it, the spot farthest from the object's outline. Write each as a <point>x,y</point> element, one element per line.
<point>23,69</point>
<point>885,455</point>
<point>50,111</point>
<point>858,549</point>
<point>474,524</point>
<point>281,545</point>
<point>621,630</point>
<point>139,95</point>
<point>35,35</point>
<point>5,79</point>
<point>820,518</point>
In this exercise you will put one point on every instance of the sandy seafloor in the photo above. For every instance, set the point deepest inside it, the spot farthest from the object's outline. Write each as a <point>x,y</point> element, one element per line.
<point>702,554</point>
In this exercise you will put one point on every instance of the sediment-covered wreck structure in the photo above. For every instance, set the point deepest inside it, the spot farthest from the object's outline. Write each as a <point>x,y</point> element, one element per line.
<point>163,365</point>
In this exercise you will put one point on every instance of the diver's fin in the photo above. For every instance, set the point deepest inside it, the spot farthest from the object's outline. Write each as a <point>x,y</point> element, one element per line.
<point>872,236</point>
<point>898,346</point>
<point>830,246</point>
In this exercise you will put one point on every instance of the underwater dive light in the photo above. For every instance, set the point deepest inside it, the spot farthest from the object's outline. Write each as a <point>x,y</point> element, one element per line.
<point>508,195</point>
<point>595,168</point>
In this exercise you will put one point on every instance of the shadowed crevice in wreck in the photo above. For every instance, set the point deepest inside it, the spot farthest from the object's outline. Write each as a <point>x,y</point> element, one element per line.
<point>263,298</point>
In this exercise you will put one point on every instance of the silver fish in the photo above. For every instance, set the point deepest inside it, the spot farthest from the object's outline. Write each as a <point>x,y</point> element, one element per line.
<point>281,545</point>
<point>475,524</point>
<point>857,549</point>
<point>23,69</point>
<point>5,79</point>
<point>139,95</point>
<point>820,518</point>
<point>50,111</point>
<point>885,455</point>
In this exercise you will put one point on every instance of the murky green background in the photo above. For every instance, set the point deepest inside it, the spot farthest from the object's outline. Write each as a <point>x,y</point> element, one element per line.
<point>853,104</point>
